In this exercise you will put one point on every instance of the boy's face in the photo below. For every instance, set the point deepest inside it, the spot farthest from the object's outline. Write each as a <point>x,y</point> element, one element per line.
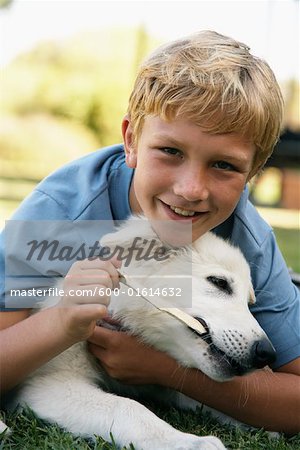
<point>182,173</point>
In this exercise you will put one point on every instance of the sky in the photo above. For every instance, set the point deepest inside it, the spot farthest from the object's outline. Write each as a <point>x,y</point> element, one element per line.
<point>269,27</point>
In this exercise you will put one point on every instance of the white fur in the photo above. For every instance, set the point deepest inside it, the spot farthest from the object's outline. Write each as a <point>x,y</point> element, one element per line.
<point>4,427</point>
<point>67,390</point>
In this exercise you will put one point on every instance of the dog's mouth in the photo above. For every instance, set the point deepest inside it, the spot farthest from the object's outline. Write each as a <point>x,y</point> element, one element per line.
<point>228,363</point>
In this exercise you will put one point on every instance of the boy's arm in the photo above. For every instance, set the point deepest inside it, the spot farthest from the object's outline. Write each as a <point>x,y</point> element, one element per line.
<point>262,399</point>
<point>27,344</point>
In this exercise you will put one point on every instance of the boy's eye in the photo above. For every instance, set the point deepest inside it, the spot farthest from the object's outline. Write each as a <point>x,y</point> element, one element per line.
<point>223,165</point>
<point>171,151</point>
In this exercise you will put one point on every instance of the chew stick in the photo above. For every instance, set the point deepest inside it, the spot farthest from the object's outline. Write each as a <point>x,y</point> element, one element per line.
<point>185,318</point>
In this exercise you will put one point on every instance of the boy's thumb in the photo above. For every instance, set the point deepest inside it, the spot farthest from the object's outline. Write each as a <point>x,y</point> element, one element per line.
<point>116,262</point>
<point>92,312</point>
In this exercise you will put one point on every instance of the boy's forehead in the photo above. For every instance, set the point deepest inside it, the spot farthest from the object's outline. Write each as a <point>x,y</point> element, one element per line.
<point>161,126</point>
<point>182,129</point>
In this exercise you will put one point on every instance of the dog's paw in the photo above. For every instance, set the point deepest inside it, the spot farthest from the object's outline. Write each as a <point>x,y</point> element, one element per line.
<point>201,443</point>
<point>211,443</point>
<point>4,428</point>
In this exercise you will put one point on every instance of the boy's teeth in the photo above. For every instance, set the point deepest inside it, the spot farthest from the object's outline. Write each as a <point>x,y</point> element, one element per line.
<point>182,212</point>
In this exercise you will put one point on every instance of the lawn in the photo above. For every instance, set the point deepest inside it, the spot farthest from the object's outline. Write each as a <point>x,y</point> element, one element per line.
<point>289,243</point>
<point>30,433</point>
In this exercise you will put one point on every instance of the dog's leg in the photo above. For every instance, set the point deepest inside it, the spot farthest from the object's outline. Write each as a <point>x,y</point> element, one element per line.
<point>86,410</point>
<point>4,427</point>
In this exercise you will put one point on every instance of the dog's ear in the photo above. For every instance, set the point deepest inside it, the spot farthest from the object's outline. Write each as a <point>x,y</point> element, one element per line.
<point>252,298</point>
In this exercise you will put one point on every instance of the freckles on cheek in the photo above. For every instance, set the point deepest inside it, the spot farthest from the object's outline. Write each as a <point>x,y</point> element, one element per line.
<point>229,197</point>
<point>237,186</point>
<point>157,174</point>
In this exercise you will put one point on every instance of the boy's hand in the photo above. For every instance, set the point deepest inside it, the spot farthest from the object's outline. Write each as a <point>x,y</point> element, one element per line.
<point>125,358</point>
<point>87,288</point>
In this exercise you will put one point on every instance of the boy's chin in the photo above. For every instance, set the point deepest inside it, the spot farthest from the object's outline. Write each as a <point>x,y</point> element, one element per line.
<point>174,233</point>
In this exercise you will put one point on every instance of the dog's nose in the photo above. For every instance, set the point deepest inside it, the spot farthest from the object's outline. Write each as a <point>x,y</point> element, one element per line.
<point>263,353</point>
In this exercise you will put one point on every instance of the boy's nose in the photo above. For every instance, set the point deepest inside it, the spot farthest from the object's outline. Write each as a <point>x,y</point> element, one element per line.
<point>192,187</point>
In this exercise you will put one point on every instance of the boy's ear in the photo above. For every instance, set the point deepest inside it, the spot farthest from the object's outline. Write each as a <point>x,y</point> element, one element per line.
<point>129,146</point>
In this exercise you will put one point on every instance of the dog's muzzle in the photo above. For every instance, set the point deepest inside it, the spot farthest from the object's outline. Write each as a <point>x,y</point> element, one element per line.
<point>262,354</point>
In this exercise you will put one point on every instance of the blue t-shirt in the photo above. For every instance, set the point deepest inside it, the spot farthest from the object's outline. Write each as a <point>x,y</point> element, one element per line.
<point>96,187</point>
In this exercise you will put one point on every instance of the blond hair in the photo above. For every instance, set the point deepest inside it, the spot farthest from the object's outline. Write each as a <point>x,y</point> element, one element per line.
<point>215,82</point>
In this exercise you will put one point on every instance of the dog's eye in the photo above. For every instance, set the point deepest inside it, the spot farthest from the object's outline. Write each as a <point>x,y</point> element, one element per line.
<point>220,283</point>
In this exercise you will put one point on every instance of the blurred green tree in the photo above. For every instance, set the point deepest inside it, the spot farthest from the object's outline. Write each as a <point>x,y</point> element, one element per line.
<point>5,3</point>
<point>66,98</point>
<point>86,79</point>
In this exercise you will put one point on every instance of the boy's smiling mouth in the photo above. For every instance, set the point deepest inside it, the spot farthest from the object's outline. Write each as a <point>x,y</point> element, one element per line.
<point>178,213</point>
<point>182,212</point>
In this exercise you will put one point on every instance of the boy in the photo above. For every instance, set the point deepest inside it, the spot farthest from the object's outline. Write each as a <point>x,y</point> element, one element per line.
<point>203,117</point>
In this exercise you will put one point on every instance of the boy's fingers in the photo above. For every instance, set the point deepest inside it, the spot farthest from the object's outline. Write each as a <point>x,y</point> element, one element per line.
<point>89,312</point>
<point>108,278</point>
<point>97,276</point>
<point>103,337</point>
<point>94,271</point>
<point>93,300</point>
<point>96,350</point>
<point>103,270</point>
<point>116,262</point>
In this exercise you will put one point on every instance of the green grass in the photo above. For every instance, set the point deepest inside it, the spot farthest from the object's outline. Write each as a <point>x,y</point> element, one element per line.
<point>289,244</point>
<point>30,433</point>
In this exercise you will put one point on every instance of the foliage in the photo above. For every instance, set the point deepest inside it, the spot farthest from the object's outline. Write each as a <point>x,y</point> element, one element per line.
<point>5,3</point>
<point>86,79</point>
<point>30,433</point>
<point>289,244</point>
<point>36,144</point>
<point>291,91</point>
<point>66,98</point>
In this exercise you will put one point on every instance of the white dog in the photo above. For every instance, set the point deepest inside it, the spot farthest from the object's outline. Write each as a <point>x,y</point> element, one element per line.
<point>67,390</point>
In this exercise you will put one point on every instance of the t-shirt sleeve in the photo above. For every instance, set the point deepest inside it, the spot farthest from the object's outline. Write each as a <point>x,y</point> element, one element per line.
<point>62,220</point>
<point>277,307</point>
<point>31,209</point>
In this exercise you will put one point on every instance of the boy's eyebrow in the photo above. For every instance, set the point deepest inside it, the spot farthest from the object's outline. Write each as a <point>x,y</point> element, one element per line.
<point>172,140</point>
<point>241,158</point>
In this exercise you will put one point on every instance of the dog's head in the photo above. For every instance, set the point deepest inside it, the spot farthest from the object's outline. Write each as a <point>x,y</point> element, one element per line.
<point>219,292</point>
<point>222,292</point>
